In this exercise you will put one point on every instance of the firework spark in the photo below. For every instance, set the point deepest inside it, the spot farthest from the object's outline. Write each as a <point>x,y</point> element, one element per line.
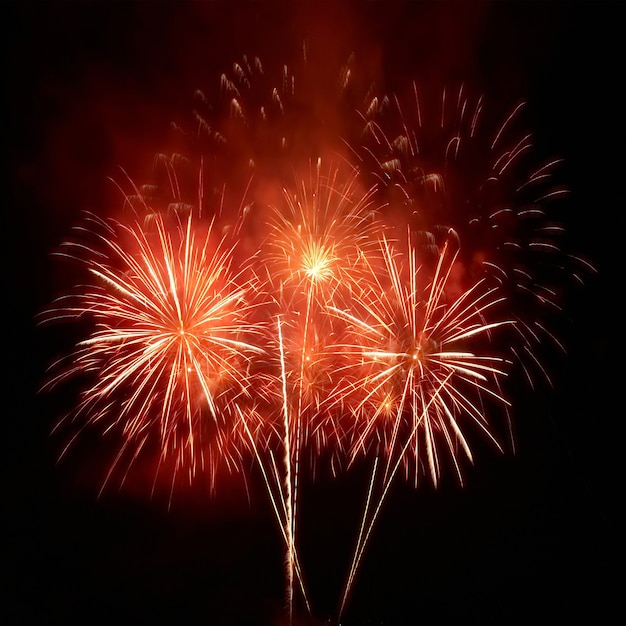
<point>332,337</point>
<point>450,164</point>
<point>172,341</point>
<point>411,354</point>
<point>415,378</point>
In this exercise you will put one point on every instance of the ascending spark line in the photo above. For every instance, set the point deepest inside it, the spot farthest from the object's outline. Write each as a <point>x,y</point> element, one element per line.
<point>284,527</point>
<point>298,434</point>
<point>288,499</point>
<point>359,539</point>
<point>364,537</point>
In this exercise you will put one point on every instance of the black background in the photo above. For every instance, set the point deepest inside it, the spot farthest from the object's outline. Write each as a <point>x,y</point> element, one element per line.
<point>531,538</point>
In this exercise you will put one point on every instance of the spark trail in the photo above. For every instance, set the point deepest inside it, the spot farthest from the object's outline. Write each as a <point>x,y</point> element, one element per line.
<point>316,238</point>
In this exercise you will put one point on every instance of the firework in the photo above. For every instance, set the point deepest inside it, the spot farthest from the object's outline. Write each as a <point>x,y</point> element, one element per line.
<point>317,233</point>
<point>414,370</point>
<point>316,239</point>
<point>450,163</point>
<point>171,345</point>
<point>420,370</point>
<point>367,302</point>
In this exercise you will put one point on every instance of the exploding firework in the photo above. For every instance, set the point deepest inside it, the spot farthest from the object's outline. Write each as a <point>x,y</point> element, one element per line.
<point>171,345</point>
<point>450,164</point>
<point>317,237</point>
<point>416,370</point>
<point>317,233</point>
<point>420,370</point>
<point>368,309</point>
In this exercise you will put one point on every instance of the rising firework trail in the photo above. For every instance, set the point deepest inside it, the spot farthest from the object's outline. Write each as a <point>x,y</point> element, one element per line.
<point>317,235</point>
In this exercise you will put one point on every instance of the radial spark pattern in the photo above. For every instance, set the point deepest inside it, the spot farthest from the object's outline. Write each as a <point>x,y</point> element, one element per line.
<point>419,367</point>
<point>170,351</point>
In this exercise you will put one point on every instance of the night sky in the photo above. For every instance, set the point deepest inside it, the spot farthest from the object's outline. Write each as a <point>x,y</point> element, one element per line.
<point>531,538</point>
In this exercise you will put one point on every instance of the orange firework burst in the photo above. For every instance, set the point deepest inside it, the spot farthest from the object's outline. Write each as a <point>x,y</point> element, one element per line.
<point>171,343</point>
<point>332,340</point>
<point>449,163</point>
<point>318,234</point>
<point>414,374</point>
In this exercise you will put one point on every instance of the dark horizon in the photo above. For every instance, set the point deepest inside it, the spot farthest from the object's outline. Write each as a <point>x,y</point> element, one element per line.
<point>531,536</point>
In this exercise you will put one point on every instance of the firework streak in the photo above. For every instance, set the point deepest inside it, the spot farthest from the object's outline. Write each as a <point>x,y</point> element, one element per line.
<point>304,295</point>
